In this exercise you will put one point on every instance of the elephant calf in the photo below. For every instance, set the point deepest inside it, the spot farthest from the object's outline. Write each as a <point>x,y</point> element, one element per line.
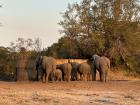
<point>57,75</point>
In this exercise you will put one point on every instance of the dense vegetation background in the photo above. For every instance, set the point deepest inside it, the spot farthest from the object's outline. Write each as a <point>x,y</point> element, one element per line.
<point>104,27</point>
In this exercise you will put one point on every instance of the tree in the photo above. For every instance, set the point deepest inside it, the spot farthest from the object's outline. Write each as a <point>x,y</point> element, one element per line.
<point>37,44</point>
<point>6,67</point>
<point>29,44</point>
<point>64,48</point>
<point>106,27</point>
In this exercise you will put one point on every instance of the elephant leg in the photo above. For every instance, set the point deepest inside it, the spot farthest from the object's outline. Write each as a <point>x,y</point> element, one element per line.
<point>65,78</point>
<point>100,76</point>
<point>78,76</point>
<point>81,77</point>
<point>106,76</point>
<point>84,77</point>
<point>88,77</point>
<point>47,77</point>
<point>94,74</point>
<point>42,77</point>
<point>68,76</point>
<point>57,79</point>
<point>53,77</point>
<point>74,78</point>
<point>60,78</point>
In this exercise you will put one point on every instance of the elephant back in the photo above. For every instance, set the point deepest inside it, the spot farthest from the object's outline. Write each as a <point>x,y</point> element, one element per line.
<point>67,68</point>
<point>58,72</point>
<point>74,65</point>
<point>84,68</point>
<point>48,62</point>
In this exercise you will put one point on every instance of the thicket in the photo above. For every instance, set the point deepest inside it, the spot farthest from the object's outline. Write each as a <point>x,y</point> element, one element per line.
<point>9,55</point>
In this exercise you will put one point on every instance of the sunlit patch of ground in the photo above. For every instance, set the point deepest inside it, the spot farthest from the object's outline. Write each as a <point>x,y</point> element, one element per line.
<point>71,93</point>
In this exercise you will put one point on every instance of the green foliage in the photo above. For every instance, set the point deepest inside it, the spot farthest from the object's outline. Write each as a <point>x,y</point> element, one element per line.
<point>65,48</point>
<point>105,27</point>
<point>8,56</point>
<point>5,65</point>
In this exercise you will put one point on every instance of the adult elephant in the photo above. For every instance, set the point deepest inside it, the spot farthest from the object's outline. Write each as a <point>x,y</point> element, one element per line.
<point>74,71</point>
<point>85,71</point>
<point>47,65</point>
<point>102,64</point>
<point>66,71</point>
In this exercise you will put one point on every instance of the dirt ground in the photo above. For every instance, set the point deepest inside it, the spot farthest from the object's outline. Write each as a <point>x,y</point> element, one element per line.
<point>121,92</point>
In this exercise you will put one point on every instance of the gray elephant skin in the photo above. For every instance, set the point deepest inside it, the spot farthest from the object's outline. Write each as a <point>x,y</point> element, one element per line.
<point>66,71</point>
<point>57,74</point>
<point>47,65</point>
<point>84,71</point>
<point>102,64</point>
<point>74,72</point>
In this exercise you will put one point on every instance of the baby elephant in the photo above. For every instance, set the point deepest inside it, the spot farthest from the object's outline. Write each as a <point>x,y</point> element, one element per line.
<point>57,75</point>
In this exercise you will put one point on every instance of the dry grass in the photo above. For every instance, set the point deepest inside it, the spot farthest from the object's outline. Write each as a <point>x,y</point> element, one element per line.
<point>70,93</point>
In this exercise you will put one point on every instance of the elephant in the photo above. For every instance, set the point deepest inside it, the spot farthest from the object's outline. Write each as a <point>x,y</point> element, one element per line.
<point>47,65</point>
<point>57,75</point>
<point>74,72</point>
<point>66,71</point>
<point>85,71</point>
<point>102,64</point>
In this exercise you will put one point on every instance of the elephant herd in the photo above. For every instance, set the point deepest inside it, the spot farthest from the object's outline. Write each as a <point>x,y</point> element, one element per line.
<point>48,70</point>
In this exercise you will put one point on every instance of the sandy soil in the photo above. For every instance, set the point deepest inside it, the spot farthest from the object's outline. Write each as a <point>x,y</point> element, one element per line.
<point>70,93</point>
